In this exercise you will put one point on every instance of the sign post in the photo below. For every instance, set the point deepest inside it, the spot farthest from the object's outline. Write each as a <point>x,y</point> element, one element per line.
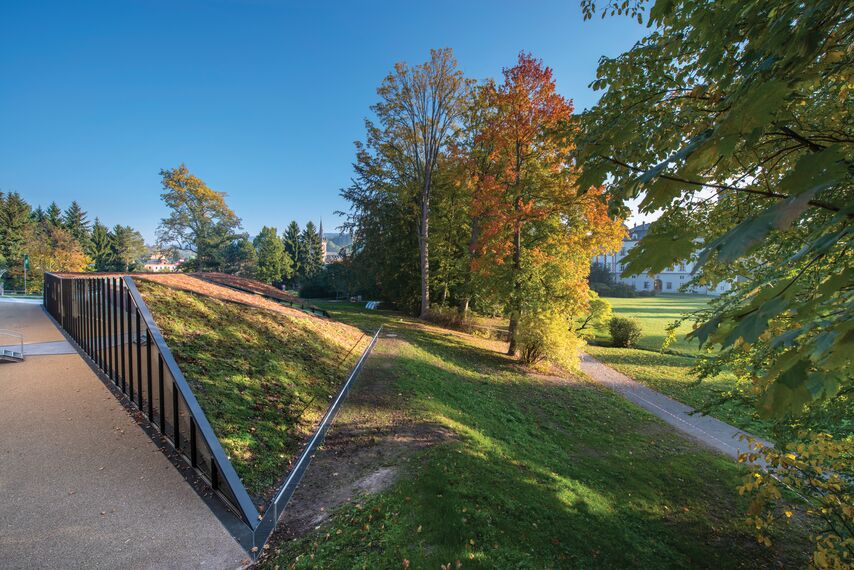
<point>26,268</point>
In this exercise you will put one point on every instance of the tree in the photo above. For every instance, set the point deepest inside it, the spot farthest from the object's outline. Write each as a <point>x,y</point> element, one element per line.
<point>734,119</point>
<point>291,240</point>
<point>15,225</point>
<point>52,249</point>
<point>75,222</point>
<point>100,247</point>
<point>241,259</point>
<point>311,251</point>
<point>199,221</point>
<point>53,215</point>
<point>274,265</point>
<point>418,108</point>
<point>127,246</point>
<point>531,209</point>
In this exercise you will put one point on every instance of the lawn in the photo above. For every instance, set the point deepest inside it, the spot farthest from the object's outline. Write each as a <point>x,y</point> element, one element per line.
<point>655,313</point>
<point>263,378</point>
<point>540,473</point>
<point>671,373</point>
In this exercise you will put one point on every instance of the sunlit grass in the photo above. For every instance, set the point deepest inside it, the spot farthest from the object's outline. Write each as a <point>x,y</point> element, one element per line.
<point>264,379</point>
<point>542,473</point>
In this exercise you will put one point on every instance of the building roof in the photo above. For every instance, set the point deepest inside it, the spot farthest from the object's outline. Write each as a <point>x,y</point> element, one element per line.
<point>637,232</point>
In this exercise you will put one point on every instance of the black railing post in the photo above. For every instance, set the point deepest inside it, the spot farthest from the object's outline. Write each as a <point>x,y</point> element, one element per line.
<point>138,345</point>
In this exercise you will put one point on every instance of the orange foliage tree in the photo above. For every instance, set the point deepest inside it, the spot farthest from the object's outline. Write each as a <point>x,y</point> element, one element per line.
<point>537,229</point>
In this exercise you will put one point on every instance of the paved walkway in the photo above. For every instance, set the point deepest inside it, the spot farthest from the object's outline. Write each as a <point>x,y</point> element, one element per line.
<point>81,485</point>
<point>713,432</point>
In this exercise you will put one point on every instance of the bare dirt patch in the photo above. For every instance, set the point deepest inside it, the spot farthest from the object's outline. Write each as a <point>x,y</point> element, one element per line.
<point>366,449</point>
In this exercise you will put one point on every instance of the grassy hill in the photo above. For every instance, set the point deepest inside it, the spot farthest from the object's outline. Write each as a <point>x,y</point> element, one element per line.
<point>537,472</point>
<point>263,373</point>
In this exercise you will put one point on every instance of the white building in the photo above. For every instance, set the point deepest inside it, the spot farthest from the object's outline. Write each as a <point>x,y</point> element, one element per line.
<point>160,265</point>
<point>669,281</point>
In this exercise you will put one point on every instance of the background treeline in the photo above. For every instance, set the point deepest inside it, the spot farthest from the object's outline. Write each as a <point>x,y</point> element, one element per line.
<point>60,240</point>
<point>201,223</point>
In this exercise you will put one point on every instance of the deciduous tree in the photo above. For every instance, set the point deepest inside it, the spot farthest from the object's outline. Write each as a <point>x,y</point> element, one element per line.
<point>418,108</point>
<point>199,220</point>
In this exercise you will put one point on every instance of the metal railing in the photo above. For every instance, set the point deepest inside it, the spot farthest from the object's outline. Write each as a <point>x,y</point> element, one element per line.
<point>109,321</point>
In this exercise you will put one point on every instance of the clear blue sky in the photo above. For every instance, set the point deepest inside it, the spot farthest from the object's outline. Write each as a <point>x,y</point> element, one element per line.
<point>261,99</point>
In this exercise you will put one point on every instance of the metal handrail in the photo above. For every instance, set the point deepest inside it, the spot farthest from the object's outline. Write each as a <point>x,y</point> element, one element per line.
<point>97,313</point>
<point>248,510</point>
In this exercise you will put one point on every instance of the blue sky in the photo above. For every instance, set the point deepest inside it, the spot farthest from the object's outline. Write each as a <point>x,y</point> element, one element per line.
<point>261,99</point>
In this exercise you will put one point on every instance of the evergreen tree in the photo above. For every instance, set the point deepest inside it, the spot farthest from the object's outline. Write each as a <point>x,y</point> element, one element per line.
<point>53,216</point>
<point>15,226</point>
<point>292,239</point>
<point>38,215</point>
<point>311,251</point>
<point>274,264</point>
<point>241,258</point>
<point>75,221</point>
<point>127,245</point>
<point>100,247</point>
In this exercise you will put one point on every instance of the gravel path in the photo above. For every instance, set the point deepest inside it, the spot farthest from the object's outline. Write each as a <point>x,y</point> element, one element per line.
<point>81,485</point>
<point>710,431</point>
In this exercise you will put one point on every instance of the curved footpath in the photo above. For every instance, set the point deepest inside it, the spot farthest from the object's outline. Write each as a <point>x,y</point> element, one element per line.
<point>714,433</point>
<point>81,485</point>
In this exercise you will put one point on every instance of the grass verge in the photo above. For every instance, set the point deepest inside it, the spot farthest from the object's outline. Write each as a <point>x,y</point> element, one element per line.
<point>541,473</point>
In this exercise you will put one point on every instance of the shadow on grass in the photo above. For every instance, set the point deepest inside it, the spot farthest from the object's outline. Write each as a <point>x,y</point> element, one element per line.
<point>542,474</point>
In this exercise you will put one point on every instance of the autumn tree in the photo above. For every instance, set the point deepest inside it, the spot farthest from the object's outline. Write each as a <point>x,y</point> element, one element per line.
<point>199,220</point>
<point>536,225</point>
<point>51,249</point>
<point>418,108</point>
<point>733,118</point>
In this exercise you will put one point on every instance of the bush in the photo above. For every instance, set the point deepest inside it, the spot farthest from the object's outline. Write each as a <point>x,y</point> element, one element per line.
<point>548,335</point>
<point>625,332</point>
<point>615,290</point>
<point>445,316</point>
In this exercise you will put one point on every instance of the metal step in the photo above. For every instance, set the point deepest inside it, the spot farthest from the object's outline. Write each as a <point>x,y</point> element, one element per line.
<point>11,355</point>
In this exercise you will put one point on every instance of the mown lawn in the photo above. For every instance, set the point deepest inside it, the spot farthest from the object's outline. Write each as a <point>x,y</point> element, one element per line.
<point>671,373</point>
<point>541,473</point>
<point>654,314</point>
<point>263,378</point>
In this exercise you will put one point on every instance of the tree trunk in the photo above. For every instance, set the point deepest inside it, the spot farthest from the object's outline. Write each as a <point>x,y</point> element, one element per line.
<point>475,231</point>
<point>516,295</point>
<point>423,247</point>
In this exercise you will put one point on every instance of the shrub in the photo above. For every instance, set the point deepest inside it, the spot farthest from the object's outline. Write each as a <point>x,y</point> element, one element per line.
<point>444,316</point>
<point>548,334</point>
<point>615,290</point>
<point>624,332</point>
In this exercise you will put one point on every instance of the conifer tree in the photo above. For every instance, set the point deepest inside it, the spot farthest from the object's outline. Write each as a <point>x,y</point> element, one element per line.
<point>53,215</point>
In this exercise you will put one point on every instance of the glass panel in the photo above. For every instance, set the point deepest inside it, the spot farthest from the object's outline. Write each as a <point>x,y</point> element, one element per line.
<point>183,425</point>
<point>203,454</point>
<point>168,410</point>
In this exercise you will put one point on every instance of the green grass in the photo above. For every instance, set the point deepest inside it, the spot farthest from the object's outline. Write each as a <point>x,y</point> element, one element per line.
<point>654,314</point>
<point>671,373</point>
<point>263,379</point>
<point>542,473</point>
